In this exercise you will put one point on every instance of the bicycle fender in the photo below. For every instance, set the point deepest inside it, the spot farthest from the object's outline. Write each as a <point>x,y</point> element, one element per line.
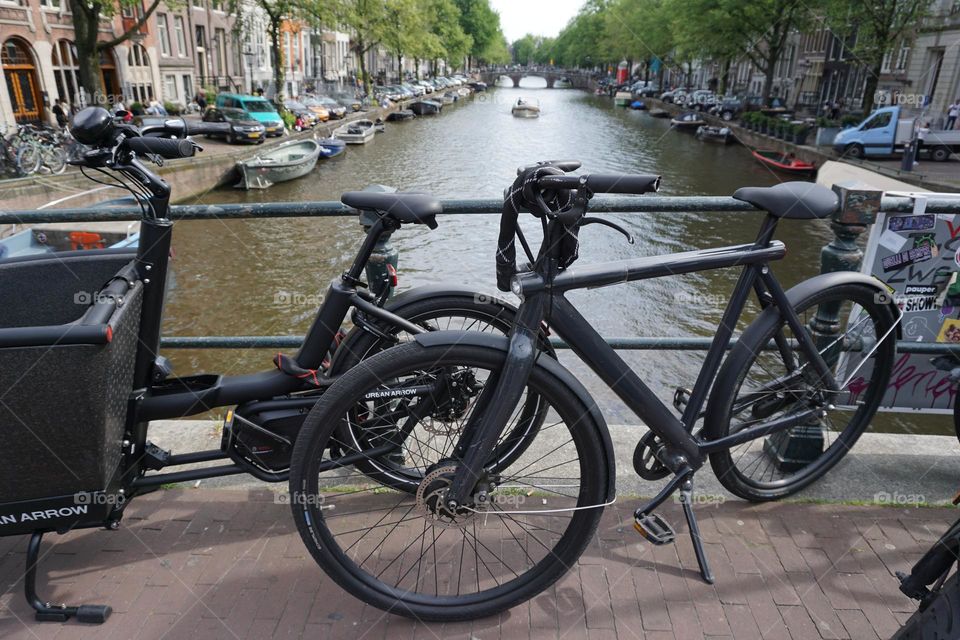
<point>417,294</point>
<point>824,280</point>
<point>554,368</point>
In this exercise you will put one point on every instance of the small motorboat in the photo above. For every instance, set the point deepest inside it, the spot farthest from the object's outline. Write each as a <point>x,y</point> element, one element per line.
<point>563,83</point>
<point>378,125</point>
<point>659,113</point>
<point>449,97</point>
<point>330,147</point>
<point>721,135</point>
<point>622,98</point>
<point>356,132</point>
<point>289,161</point>
<point>399,116</point>
<point>689,121</point>
<point>426,107</point>
<point>638,105</point>
<point>478,86</point>
<point>784,162</point>
<point>526,108</point>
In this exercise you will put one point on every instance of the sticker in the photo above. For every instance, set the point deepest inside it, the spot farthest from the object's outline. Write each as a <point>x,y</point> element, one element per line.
<point>916,327</point>
<point>946,312</point>
<point>892,241</point>
<point>910,256</point>
<point>917,303</point>
<point>919,289</point>
<point>911,223</point>
<point>956,258</point>
<point>928,239</point>
<point>950,331</point>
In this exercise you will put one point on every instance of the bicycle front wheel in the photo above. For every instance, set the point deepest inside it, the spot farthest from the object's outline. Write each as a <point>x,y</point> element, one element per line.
<point>766,378</point>
<point>404,552</point>
<point>28,159</point>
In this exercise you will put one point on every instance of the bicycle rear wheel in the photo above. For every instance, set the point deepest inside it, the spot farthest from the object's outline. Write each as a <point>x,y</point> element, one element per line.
<point>404,552</point>
<point>757,386</point>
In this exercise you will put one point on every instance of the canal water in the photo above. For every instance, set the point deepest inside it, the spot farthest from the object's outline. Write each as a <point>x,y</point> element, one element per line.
<point>267,277</point>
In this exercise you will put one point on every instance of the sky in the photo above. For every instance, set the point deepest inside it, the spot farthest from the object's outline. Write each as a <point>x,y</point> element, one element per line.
<point>539,17</point>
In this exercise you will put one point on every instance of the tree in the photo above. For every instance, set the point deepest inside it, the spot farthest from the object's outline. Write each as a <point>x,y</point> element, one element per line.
<point>445,26</point>
<point>523,50</point>
<point>369,21</point>
<point>86,26</point>
<point>479,21</point>
<point>879,26</point>
<point>638,30</point>
<point>408,25</point>
<point>758,30</point>
<point>582,41</point>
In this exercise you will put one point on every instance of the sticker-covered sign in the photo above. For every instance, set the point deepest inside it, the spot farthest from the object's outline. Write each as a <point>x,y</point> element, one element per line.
<point>918,256</point>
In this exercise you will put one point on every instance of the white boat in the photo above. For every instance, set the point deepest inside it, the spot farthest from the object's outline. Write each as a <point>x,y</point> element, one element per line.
<point>286,162</point>
<point>622,98</point>
<point>526,108</point>
<point>356,132</point>
<point>563,83</point>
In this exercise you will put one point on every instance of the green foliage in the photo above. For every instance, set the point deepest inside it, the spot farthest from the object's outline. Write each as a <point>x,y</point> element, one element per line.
<point>289,120</point>
<point>479,21</point>
<point>172,108</point>
<point>136,108</point>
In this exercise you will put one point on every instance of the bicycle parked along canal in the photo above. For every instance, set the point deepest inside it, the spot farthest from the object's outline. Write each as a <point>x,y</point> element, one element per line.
<point>82,378</point>
<point>470,533</point>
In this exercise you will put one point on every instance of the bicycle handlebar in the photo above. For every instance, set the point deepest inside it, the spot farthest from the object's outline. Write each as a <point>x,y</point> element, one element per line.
<point>604,183</point>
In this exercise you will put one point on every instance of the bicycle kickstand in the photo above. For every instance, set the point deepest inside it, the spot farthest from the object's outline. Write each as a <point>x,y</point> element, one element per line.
<point>46,612</point>
<point>686,499</point>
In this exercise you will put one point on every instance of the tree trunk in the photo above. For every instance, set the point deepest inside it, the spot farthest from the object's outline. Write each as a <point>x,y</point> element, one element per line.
<point>725,77</point>
<point>399,67</point>
<point>870,88</point>
<point>278,61</point>
<point>362,62</point>
<point>768,80</point>
<point>86,19</point>
<point>416,68</point>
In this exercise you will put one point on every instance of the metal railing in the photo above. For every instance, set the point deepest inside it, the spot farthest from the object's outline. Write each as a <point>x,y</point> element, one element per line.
<point>857,213</point>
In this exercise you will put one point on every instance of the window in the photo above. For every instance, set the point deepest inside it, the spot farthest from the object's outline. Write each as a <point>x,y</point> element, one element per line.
<point>170,88</point>
<point>138,56</point>
<point>51,4</point>
<point>878,122</point>
<point>65,69</point>
<point>902,57</point>
<point>197,4</point>
<point>180,35</point>
<point>187,88</point>
<point>163,33</point>
<point>216,5</point>
<point>885,66</point>
<point>219,59</point>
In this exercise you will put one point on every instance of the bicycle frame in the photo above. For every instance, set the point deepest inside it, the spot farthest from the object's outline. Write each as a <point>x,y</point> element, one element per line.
<point>543,298</point>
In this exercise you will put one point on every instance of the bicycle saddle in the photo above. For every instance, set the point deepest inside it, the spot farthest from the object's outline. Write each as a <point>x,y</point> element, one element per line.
<point>418,208</point>
<point>795,200</point>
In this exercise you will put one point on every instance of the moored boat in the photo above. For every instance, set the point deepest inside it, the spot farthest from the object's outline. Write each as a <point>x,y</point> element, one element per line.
<point>356,132</point>
<point>622,98</point>
<point>526,108</point>
<point>289,161</point>
<point>563,83</point>
<point>478,86</point>
<point>402,114</point>
<point>784,162</point>
<point>638,105</point>
<point>689,121</point>
<point>426,107</point>
<point>330,147</point>
<point>721,135</point>
<point>449,98</point>
<point>659,113</point>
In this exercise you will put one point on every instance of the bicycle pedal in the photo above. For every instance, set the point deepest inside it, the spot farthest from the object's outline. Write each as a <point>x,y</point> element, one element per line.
<point>681,397</point>
<point>655,529</point>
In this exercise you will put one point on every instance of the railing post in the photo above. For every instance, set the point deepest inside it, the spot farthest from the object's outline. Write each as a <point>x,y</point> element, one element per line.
<point>800,446</point>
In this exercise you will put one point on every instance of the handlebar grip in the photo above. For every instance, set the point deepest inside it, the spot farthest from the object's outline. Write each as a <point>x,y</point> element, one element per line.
<point>616,183</point>
<point>163,147</point>
<point>200,128</point>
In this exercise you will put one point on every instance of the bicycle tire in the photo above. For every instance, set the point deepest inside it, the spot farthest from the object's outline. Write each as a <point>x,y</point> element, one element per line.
<point>730,379</point>
<point>939,619</point>
<point>310,506</point>
<point>360,344</point>
<point>28,159</point>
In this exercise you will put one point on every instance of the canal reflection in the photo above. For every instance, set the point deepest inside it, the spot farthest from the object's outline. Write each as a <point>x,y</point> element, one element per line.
<point>266,277</point>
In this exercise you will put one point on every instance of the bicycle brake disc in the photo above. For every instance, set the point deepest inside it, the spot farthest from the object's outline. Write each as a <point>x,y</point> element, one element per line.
<point>645,461</point>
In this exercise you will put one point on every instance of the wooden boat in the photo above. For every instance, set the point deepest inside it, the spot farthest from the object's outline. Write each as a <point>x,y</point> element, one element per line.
<point>659,113</point>
<point>403,114</point>
<point>721,135</point>
<point>287,162</point>
<point>689,121</point>
<point>526,108</point>
<point>622,98</point>
<point>330,147</point>
<point>356,132</point>
<point>784,162</point>
<point>426,107</point>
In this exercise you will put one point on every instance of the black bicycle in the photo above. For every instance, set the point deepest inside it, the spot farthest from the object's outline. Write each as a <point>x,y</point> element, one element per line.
<point>479,533</point>
<point>81,376</point>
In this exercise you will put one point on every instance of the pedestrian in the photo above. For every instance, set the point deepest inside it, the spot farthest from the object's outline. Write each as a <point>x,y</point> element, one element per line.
<point>953,111</point>
<point>921,135</point>
<point>201,101</point>
<point>826,109</point>
<point>155,108</point>
<point>60,113</point>
<point>835,111</point>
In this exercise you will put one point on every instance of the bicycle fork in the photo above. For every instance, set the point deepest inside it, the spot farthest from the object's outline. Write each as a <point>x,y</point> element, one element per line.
<point>496,404</point>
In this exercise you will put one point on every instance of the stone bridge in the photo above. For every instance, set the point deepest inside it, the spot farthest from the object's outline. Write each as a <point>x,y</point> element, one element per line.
<point>578,79</point>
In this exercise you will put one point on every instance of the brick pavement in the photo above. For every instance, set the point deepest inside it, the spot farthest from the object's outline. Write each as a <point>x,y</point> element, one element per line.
<point>218,563</point>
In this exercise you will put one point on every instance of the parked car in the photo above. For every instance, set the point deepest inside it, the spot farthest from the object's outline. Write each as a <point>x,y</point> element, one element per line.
<point>336,110</point>
<point>243,127</point>
<point>701,100</point>
<point>351,102</point>
<point>427,87</point>
<point>728,108</point>
<point>648,90</point>
<point>676,96</point>
<point>774,106</point>
<point>415,88</point>
<point>259,108</point>
<point>310,117</point>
